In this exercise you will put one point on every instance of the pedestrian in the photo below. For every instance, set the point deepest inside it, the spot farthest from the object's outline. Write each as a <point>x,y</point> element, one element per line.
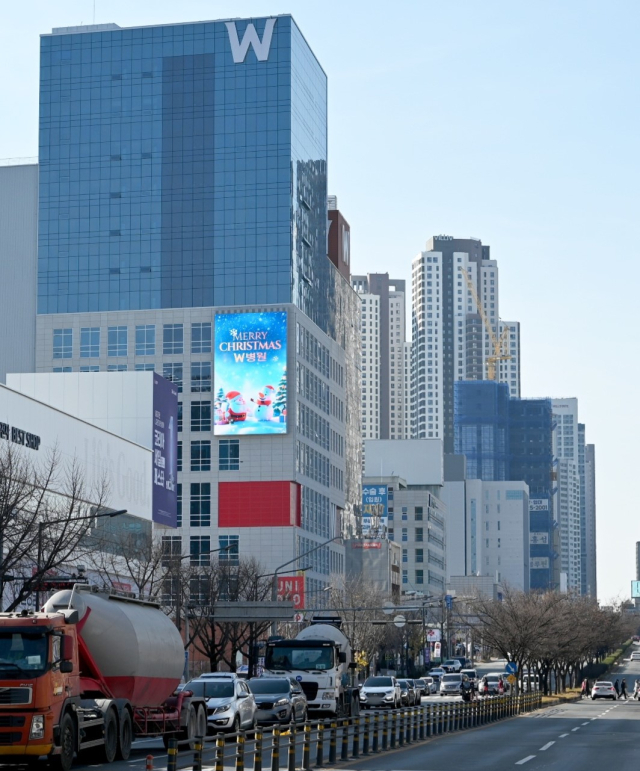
<point>584,691</point>
<point>636,689</point>
<point>500,686</point>
<point>623,689</point>
<point>616,685</point>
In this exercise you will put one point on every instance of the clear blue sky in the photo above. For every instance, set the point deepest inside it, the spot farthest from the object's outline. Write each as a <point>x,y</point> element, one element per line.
<point>515,122</point>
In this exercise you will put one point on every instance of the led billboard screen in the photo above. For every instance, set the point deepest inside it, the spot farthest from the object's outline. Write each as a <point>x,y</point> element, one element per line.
<point>165,452</point>
<point>250,373</point>
<point>374,510</point>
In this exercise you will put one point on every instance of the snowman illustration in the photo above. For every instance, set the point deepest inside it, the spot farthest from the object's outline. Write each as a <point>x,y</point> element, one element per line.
<point>236,408</point>
<point>264,403</point>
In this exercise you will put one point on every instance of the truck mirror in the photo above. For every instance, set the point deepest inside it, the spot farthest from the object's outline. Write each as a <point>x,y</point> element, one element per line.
<point>342,657</point>
<point>66,667</point>
<point>68,648</point>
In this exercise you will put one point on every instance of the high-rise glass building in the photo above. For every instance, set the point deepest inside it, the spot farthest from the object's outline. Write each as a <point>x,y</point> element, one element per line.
<point>183,177</point>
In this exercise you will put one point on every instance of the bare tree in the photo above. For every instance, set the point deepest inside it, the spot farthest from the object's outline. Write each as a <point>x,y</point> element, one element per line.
<point>45,516</point>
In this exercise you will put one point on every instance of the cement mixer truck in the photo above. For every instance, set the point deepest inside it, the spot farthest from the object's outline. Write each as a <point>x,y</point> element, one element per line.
<point>87,675</point>
<point>319,658</point>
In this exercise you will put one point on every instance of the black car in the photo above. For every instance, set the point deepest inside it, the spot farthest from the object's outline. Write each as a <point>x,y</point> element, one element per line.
<point>408,695</point>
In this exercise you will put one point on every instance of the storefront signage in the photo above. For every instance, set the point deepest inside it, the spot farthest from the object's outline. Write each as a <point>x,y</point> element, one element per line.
<point>18,436</point>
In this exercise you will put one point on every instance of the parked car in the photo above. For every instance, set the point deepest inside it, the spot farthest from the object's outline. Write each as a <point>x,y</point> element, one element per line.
<point>230,703</point>
<point>408,694</point>
<point>635,656</point>
<point>472,675</point>
<point>452,665</point>
<point>421,688</point>
<point>278,700</point>
<point>451,684</point>
<point>530,681</point>
<point>603,689</point>
<point>380,691</point>
<point>432,686</point>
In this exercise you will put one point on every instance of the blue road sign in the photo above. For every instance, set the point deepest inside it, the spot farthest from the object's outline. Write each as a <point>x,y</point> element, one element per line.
<point>449,601</point>
<point>512,668</point>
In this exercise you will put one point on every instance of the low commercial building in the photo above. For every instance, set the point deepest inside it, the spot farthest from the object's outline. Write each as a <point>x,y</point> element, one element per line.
<point>376,563</point>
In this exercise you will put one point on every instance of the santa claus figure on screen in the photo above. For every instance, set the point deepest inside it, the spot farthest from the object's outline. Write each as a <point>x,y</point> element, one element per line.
<point>236,408</point>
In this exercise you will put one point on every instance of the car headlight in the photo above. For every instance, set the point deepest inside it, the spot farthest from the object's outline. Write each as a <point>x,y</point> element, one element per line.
<point>37,727</point>
<point>328,695</point>
<point>281,703</point>
<point>223,708</point>
<point>363,696</point>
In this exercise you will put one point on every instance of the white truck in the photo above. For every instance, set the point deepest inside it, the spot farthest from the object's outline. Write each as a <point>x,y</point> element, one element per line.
<point>319,658</point>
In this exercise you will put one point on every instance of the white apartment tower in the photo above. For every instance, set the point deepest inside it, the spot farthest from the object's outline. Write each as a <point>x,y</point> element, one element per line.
<point>450,341</point>
<point>386,357</point>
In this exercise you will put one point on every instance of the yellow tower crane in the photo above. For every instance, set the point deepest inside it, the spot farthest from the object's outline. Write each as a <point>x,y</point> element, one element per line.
<point>500,343</point>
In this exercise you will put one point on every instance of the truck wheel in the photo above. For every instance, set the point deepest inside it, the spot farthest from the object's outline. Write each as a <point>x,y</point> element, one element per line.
<point>63,761</point>
<point>201,730</point>
<point>191,727</point>
<point>126,736</point>
<point>110,746</point>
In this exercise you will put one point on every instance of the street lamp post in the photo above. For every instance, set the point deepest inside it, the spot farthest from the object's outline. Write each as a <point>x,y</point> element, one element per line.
<point>47,523</point>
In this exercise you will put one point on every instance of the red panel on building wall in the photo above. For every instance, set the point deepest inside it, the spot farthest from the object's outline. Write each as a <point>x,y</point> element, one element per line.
<point>258,504</point>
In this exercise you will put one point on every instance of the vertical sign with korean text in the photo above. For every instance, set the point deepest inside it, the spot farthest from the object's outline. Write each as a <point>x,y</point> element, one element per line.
<point>374,510</point>
<point>165,452</point>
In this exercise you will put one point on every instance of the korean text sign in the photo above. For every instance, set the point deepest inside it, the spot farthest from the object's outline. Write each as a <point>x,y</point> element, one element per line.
<point>165,452</point>
<point>250,373</point>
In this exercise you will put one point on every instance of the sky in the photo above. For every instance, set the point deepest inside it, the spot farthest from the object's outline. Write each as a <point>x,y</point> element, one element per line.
<point>509,121</point>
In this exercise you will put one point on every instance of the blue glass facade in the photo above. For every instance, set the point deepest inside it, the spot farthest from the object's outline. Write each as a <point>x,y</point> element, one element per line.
<point>179,171</point>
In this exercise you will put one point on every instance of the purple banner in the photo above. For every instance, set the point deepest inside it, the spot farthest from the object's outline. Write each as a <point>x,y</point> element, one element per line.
<point>165,452</point>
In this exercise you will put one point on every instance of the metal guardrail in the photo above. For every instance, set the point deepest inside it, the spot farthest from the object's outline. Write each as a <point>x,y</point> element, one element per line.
<point>354,737</point>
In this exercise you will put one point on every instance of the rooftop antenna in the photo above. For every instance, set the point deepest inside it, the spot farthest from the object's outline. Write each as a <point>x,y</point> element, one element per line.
<point>94,11</point>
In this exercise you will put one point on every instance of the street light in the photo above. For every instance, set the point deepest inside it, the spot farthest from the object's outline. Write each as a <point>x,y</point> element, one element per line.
<point>67,520</point>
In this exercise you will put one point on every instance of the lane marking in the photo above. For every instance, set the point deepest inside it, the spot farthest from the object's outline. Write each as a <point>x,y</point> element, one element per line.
<point>546,746</point>
<point>562,736</point>
<point>586,723</point>
<point>525,760</point>
<point>576,729</point>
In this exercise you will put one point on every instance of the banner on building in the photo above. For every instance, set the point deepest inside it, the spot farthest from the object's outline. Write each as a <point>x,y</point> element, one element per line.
<point>433,635</point>
<point>366,545</point>
<point>538,538</point>
<point>250,373</point>
<point>292,588</point>
<point>374,510</point>
<point>539,563</point>
<point>538,504</point>
<point>165,452</point>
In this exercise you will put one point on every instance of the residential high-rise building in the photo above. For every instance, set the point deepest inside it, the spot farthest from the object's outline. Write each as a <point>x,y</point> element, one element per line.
<point>183,228</point>
<point>18,266</point>
<point>385,357</point>
<point>450,341</point>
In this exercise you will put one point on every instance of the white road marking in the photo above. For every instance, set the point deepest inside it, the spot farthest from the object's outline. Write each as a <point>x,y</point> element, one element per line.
<point>587,723</point>
<point>576,729</point>
<point>562,736</point>
<point>525,760</point>
<point>546,746</point>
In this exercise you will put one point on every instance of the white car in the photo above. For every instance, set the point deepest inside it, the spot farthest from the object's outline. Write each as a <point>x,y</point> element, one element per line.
<point>452,665</point>
<point>431,685</point>
<point>635,656</point>
<point>603,689</point>
<point>380,691</point>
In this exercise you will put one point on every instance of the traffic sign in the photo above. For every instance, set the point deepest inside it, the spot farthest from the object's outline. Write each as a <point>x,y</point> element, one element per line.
<point>388,607</point>
<point>399,621</point>
<point>449,601</point>
<point>512,679</point>
<point>512,667</point>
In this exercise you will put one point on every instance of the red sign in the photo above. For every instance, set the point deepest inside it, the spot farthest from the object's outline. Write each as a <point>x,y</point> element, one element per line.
<point>292,588</point>
<point>366,545</point>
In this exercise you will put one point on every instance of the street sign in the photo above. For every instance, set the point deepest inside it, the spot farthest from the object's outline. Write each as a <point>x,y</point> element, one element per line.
<point>448,601</point>
<point>399,621</point>
<point>512,679</point>
<point>388,607</point>
<point>512,667</point>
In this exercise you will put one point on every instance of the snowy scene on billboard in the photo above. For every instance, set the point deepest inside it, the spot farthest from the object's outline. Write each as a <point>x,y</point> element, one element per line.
<point>250,372</point>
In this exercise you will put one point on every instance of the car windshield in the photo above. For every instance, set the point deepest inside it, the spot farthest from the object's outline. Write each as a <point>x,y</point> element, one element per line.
<point>604,684</point>
<point>469,672</point>
<point>284,657</point>
<point>378,682</point>
<point>266,685</point>
<point>211,689</point>
<point>452,678</point>
<point>22,652</point>
<point>404,683</point>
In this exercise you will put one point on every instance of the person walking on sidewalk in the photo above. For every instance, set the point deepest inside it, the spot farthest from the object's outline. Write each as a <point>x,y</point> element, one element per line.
<point>584,692</point>
<point>623,690</point>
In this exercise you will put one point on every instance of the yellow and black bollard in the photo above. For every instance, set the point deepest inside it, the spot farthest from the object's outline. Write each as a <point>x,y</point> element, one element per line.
<point>365,738</point>
<point>344,751</point>
<point>172,752</point>
<point>257,750</point>
<point>333,742</point>
<point>219,752</point>
<point>355,748</point>
<point>385,732</point>
<point>275,749</point>
<point>197,754</point>
<point>240,751</point>
<point>291,765</point>
<point>306,748</point>
<point>376,732</point>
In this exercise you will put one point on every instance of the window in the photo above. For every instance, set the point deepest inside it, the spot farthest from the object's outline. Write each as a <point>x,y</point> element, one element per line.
<point>201,416</point>
<point>179,505</point>
<point>200,549</point>
<point>405,556</point>
<point>116,368</point>
<point>179,456</point>
<point>390,533</point>
<point>62,343</point>
<point>419,576</point>
<point>405,576</point>
<point>117,341</point>
<point>144,367</point>
<point>201,337</point>
<point>200,504</point>
<point>201,376</point>
<point>146,340</point>
<point>419,513</point>
<point>91,368</point>
<point>173,372</point>
<point>419,555</point>
<point>230,545</point>
<point>173,338</point>
<point>90,342</point>
<point>419,534</point>
<point>404,534</point>
<point>229,455</point>
<point>171,549</point>
<point>201,455</point>
<point>62,369</point>
<point>179,416</point>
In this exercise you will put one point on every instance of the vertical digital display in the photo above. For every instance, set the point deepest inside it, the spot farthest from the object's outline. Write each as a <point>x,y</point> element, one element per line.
<point>250,373</point>
<point>374,510</point>
<point>165,452</point>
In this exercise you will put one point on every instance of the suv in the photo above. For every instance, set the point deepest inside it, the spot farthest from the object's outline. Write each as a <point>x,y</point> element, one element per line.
<point>230,704</point>
<point>452,665</point>
<point>451,685</point>
<point>380,691</point>
<point>279,700</point>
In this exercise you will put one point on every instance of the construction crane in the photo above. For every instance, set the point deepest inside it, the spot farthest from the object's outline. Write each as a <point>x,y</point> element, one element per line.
<point>500,343</point>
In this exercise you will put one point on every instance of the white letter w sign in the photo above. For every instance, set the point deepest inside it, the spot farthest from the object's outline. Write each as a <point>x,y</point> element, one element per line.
<point>250,38</point>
